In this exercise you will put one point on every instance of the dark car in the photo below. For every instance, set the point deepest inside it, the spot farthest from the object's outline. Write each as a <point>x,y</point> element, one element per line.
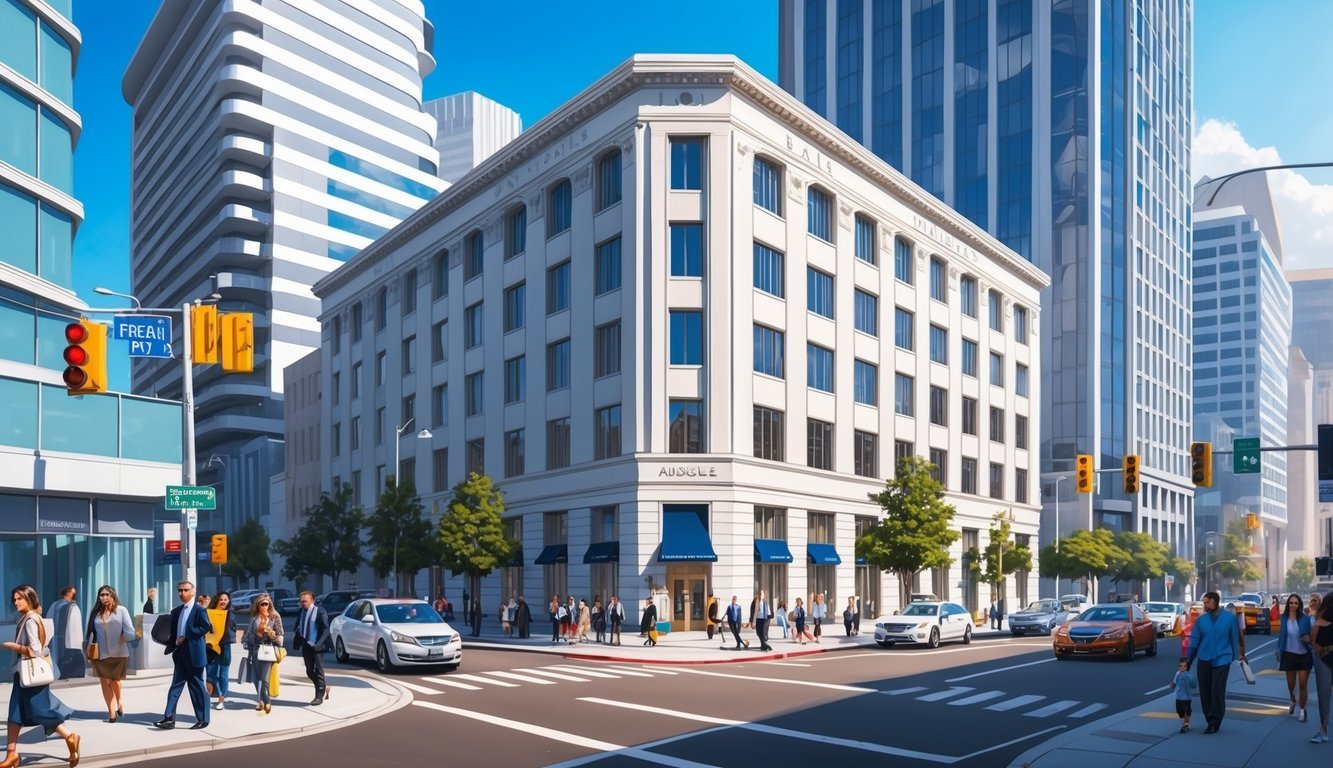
<point>335,602</point>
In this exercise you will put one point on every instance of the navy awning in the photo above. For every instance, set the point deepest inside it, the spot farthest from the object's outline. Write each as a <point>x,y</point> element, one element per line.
<point>822,554</point>
<point>602,552</point>
<point>553,553</point>
<point>771,551</point>
<point>861,560</point>
<point>684,538</point>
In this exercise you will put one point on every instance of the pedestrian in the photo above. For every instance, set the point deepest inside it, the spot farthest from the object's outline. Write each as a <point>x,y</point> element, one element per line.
<point>599,621</point>
<point>781,618</point>
<point>150,605</point>
<point>1294,655</point>
<point>847,616</point>
<point>856,613</point>
<point>189,626</point>
<point>1321,612</point>
<point>760,615</point>
<point>523,617</point>
<point>1185,686</point>
<point>585,621</point>
<point>734,622</point>
<point>571,620</point>
<point>312,640</point>
<point>1215,643</point>
<point>710,615</point>
<point>110,631</point>
<point>555,608</point>
<point>1274,611</point>
<point>68,620</point>
<point>502,613</point>
<point>35,705</point>
<point>818,612</point>
<point>511,613</point>
<point>798,620</point>
<point>615,614</point>
<point>994,615</point>
<point>648,622</point>
<point>219,655</point>
<point>263,646</point>
<point>467,609</point>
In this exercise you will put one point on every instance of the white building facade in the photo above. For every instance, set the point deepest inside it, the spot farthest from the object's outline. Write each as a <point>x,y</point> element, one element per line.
<point>687,327</point>
<point>471,129</point>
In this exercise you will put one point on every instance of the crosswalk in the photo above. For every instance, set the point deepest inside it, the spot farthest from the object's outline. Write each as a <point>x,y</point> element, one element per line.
<point>965,696</point>
<point>548,675</point>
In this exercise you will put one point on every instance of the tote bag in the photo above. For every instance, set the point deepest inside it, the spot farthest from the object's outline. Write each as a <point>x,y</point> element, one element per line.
<point>266,652</point>
<point>36,671</point>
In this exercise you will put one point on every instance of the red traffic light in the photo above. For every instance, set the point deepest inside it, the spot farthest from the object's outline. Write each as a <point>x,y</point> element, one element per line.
<point>76,333</point>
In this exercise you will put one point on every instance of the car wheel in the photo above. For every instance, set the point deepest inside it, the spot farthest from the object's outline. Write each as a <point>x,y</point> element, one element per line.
<point>339,651</point>
<point>1129,649</point>
<point>1152,649</point>
<point>382,659</point>
<point>934,638</point>
<point>967,635</point>
<point>1061,656</point>
<point>885,643</point>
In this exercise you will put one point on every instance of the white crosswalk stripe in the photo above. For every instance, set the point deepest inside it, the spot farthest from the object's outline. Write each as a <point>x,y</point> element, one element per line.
<point>451,683</point>
<point>901,691</point>
<point>1051,709</point>
<point>556,675</point>
<point>585,672</point>
<point>947,694</point>
<point>976,699</point>
<point>1016,702</point>
<point>520,678</point>
<point>1088,710</point>
<point>418,688</point>
<point>483,680</point>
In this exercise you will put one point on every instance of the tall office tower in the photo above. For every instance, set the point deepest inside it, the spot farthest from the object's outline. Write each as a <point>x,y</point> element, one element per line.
<point>1311,328</point>
<point>471,129</point>
<point>1063,128</point>
<point>1242,331</point>
<point>80,477</point>
<point>272,141</point>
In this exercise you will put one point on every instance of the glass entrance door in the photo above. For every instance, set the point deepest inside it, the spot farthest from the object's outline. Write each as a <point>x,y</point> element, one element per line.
<point>689,595</point>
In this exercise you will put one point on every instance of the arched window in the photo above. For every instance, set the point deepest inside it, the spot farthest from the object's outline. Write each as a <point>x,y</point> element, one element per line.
<point>560,203</point>
<point>608,180</point>
<point>768,185</point>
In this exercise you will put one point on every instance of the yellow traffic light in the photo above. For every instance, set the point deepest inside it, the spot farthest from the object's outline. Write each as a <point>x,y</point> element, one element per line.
<point>204,334</point>
<point>1201,464</point>
<point>217,553</point>
<point>1251,521</point>
<point>1084,474</point>
<point>85,356</point>
<point>238,342</point>
<point>1129,467</point>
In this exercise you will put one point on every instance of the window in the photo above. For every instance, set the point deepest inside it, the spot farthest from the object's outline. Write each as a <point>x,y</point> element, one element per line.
<point>969,358</point>
<point>356,380</point>
<point>335,384</point>
<point>865,447</point>
<point>684,433</point>
<point>996,369</point>
<point>608,180</point>
<point>939,280</point>
<point>768,270</point>
<point>969,415</point>
<point>687,162</point>
<point>768,185</point>
<point>866,389</point>
<point>381,309</point>
<point>557,443</point>
<point>472,326</point>
<point>409,408</point>
<point>903,329</point>
<point>996,425</point>
<point>606,443</point>
<point>607,267</point>
<point>357,322</point>
<point>687,337</point>
<point>606,349</point>
<point>940,459</point>
<point>516,379</point>
<point>902,449</point>
<point>409,301</point>
<point>996,480</point>
<point>1021,432</point>
<point>557,288</point>
<point>819,213</point>
<point>336,335</point>
<point>904,394</point>
<point>902,260</point>
<point>769,351</point>
<point>819,444</point>
<point>1021,486</point>
<point>516,232</point>
<point>967,295</point>
<point>409,355</point>
<point>379,425</point>
<point>381,368</point>
<point>476,456</point>
<point>476,393</point>
<point>557,365</point>
<point>560,202</point>
<point>440,276</point>
<point>939,345</point>
<point>514,452</point>
<point>1021,324</point>
<point>939,406</point>
<point>996,310</point>
<point>865,312</point>
<point>439,405</point>
<point>1021,380</point>
<point>515,308</point>
<point>768,433</point>
<point>818,368</point>
<point>439,342</point>
<point>969,471</point>
<point>336,439</point>
<point>687,242</point>
<point>356,433</point>
<point>865,239</point>
<point>819,292</point>
<point>474,254</point>
<point>439,460</point>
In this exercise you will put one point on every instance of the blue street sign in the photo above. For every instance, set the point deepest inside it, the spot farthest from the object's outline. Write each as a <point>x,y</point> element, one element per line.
<point>148,335</point>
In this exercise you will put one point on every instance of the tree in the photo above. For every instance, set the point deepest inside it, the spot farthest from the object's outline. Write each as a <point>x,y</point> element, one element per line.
<point>471,535</point>
<point>400,533</point>
<point>1237,562</point>
<point>916,531</point>
<point>1001,557</point>
<point>1146,557</point>
<point>328,543</point>
<point>1092,554</point>
<point>1300,575</point>
<point>1054,565</point>
<point>247,552</point>
<point>1182,568</point>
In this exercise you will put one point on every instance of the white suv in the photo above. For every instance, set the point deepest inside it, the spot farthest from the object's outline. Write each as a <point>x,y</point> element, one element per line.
<point>928,623</point>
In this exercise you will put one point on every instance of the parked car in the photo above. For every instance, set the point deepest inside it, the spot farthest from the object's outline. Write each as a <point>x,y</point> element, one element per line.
<point>242,598</point>
<point>336,602</point>
<point>1078,601</point>
<point>1250,610</point>
<point>922,597</point>
<point>1169,617</point>
<point>1107,628</point>
<point>1040,616</point>
<point>289,606</point>
<point>929,623</point>
<point>395,633</point>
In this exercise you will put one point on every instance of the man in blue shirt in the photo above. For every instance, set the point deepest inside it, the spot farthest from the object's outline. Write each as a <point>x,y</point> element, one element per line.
<point>1215,642</point>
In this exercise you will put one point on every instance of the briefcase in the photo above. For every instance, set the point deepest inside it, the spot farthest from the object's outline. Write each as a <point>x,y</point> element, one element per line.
<point>162,631</point>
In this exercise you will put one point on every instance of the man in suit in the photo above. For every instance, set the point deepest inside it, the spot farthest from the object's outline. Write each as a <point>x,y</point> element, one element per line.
<point>760,614</point>
<point>312,639</point>
<point>734,622</point>
<point>189,627</point>
<point>615,615</point>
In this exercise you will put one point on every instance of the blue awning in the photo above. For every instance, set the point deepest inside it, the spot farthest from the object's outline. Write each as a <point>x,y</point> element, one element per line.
<point>684,538</point>
<point>861,560</point>
<point>552,554</point>
<point>602,552</point>
<point>822,554</point>
<point>771,551</point>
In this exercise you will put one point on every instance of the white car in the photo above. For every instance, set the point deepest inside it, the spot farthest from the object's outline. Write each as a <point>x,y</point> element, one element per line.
<point>395,633</point>
<point>929,623</point>
<point>1168,617</point>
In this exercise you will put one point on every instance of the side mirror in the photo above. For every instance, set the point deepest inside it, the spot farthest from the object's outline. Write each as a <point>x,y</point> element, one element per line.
<point>368,619</point>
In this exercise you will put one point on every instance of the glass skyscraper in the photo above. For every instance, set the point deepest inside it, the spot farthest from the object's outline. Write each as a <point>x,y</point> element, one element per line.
<point>1062,127</point>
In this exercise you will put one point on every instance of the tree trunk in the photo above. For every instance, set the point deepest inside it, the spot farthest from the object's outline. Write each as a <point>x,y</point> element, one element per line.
<point>904,588</point>
<point>475,580</point>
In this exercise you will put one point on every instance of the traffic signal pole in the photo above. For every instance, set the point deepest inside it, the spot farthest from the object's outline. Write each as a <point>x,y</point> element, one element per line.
<point>187,445</point>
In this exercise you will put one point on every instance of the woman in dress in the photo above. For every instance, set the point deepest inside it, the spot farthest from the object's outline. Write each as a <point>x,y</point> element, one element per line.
<point>818,612</point>
<point>265,629</point>
<point>585,621</point>
<point>781,619</point>
<point>112,628</point>
<point>36,705</point>
<point>1293,652</point>
<point>219,661</point>
<point>801,633</point>
<point>554,608</point>
<point>505,625</point>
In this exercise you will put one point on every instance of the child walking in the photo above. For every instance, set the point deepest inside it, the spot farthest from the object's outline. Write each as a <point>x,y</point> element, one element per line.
<point>1185,687</point>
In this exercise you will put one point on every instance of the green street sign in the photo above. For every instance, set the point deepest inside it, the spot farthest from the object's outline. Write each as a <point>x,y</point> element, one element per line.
<point>1245,459</point>
<point>191,497</point>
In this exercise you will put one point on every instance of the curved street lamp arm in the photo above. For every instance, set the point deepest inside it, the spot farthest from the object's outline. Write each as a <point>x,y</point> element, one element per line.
<point>1222,180</point>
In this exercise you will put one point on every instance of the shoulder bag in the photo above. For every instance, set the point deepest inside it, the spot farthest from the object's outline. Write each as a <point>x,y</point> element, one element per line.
<point>93,651</point>
<point>36,671</point>
<point>266,652</point>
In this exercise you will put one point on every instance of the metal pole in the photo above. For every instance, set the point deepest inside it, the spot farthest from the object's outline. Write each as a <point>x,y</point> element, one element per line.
<point>187,444</point>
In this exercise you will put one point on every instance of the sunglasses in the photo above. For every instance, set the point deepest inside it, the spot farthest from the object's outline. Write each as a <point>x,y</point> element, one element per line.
<point>265,605</point>
<point>104,594</point>
<point>182,589</point>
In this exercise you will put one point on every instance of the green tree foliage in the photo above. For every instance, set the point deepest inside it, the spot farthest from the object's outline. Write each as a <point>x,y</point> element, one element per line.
<point>917,529</point>
<point>1002,557</point>
<point>1092,554</point>
<point>400,532</point>
<point>328,543</point>
<point>1182,568</point>
<point>1146,557</point>
<point>1054,565</point>
<point>1238,563</point>
<point>471,534</point>
<point>1300,575</point>
<point>247,552</point>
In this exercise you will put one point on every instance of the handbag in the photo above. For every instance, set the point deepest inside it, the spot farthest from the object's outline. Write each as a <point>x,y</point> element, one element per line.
<point>1245,670</point>
<point>93,654</point>
<point>266,652</point>
<point>36,671</point>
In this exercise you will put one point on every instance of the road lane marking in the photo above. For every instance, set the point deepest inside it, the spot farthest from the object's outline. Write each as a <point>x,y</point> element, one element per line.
<point>995,671</point>
<point>1158,689</point>
<point>556,675</point>
<point>654,670</point>
<point>1016,702</point>
<point>901,691</point>
<point>1013,741</point>
<point>946,694</point>
<point>535,730</point>
<point>483,680</point>
<point>451,683</point>
<point>585,672</point>
<point>1088,710</point>
<point>623,671</point>
<point>806,683</point>
<point>977,699</point>
<point>843,656</point>
<point>521,678</point>
<point>1051,709</point>
<point>642,752</point>
<point>418,688</point>
<point>784,664</point>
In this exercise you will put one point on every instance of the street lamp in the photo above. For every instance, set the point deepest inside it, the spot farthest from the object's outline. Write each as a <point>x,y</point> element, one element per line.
<point>424,434</point>
<point>108,292</point>
<point>1207,582</point>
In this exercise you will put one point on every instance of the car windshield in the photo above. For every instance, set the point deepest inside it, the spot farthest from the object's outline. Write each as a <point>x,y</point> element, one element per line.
<point>921,609</point>
<point>408,613</point>
<point>1251,597</point>
<point>1103,613</point>
<point>1159,607</point>
<point>1041,606</point>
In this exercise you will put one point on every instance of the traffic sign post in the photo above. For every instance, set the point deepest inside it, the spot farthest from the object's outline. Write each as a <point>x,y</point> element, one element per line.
<point>181,497</point>
<point>1245,460</point>
<point>148,335</point>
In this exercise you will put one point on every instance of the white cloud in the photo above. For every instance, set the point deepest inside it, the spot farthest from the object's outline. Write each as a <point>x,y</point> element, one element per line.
<point>1306,208</point>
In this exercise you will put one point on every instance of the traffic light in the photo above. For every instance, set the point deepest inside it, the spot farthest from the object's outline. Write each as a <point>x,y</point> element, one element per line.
<point>1201,464</point>
<point>238,342</point>
<point>1129,467</point>
<point>85,356</point>
<point>1323,566</point>
<point>1251,521</point>
<point>204,334</point>
<point>1083,473</point>
<point>217,551</point>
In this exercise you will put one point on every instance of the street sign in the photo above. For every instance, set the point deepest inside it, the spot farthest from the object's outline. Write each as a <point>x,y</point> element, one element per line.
<point>148,335</point>
<point>192,519</point>
<point>191,497</point>
<point>1245,459</point>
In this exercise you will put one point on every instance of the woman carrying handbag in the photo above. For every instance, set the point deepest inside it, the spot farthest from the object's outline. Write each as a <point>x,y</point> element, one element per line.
<point>263,642</point>
<point>110,632</point>
<point>31,702</point>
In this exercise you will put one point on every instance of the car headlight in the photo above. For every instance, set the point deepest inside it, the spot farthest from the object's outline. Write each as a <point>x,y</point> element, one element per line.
<point>1114,634</point>
<point>923,625</point>
<point>1062,632</point>
<point>401,638</point>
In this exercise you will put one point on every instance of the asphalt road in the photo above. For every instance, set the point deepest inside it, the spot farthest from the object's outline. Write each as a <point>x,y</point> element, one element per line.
<point>978,705</point>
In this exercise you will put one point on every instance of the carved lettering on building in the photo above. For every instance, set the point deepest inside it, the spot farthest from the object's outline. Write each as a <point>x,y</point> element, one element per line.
<point>553,154</point>
<point>688,470</point>
<point>945,238</point>
<point>814,156</point>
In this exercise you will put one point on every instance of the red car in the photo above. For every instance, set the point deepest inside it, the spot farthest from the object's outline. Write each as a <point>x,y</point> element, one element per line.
<point>1120,629</point>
